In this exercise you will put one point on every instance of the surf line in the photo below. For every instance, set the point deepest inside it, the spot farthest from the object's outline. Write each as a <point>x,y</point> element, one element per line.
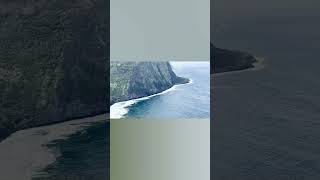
<point>120,109</point>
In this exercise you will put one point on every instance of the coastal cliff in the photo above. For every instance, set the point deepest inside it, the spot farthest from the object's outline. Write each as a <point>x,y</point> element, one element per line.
<point>132,80</point>
<point>53,61</point>
<point>223,60</point>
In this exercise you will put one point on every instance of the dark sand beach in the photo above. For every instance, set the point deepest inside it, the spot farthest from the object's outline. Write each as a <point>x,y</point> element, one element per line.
<point>24,154</point>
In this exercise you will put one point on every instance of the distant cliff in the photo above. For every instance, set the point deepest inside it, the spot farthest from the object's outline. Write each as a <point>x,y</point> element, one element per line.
<point>53,61</point>
<point>132,80</point>
<point>223,60</point>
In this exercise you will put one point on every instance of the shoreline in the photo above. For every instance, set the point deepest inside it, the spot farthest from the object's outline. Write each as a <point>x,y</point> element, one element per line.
<point>122,106</point>
<point>225,60</point>
<point>189,81</point>
<point>24,153</point>
<point>257,65</point>
<point>55,122</point>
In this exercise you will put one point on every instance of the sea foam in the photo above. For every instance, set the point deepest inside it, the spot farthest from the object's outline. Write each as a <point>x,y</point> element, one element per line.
<point>120,109</point>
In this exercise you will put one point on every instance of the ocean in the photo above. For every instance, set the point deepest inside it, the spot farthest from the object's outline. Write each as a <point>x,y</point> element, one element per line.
<point>85,155</point>
<point>266,122</point>
<point>191,100</point>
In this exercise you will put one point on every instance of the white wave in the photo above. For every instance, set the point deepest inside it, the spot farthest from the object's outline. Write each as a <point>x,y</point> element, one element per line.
<point>120,109</point>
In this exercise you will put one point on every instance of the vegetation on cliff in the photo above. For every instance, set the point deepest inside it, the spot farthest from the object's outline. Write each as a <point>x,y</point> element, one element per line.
<point>130,80</point>
<point>53,61</point>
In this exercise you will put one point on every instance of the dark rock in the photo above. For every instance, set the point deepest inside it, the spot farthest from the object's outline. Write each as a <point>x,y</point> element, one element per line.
<point>225,60</point>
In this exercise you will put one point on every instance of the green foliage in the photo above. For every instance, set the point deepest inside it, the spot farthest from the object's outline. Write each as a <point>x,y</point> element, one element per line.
<point>54,61</point>
<point>130,80</point>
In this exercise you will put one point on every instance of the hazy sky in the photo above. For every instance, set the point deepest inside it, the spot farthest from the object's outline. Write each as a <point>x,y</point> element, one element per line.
<point>265,25</point>
<point>160,30</point>
<point>182,64</point>
<point>235,9</point>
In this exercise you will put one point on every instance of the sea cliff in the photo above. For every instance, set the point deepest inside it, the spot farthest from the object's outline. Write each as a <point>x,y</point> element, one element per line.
<point>53,61</point>
<point>223,60</point>
<point>130,80</point>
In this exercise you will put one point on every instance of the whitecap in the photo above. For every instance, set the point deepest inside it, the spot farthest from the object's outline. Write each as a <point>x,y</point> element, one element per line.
<point>120,109</point>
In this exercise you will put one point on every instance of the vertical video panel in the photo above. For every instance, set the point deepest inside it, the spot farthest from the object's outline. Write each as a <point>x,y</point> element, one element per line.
<point>160,89</point>
<point>266,90</point>
<point>54,87</point>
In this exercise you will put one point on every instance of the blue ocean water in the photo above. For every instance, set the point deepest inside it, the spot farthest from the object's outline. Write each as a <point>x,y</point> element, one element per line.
<point>190,100</point>
<point>266,122</point>
<point>85,155</point>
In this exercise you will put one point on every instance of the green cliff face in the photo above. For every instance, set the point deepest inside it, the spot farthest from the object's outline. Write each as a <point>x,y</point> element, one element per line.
<point>53,61</point>
<point>132,80</point>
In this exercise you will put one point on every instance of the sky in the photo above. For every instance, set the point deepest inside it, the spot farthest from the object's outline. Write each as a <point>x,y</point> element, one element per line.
<point>262,26</point>
<point>184,64</point>
<point>159,30</point>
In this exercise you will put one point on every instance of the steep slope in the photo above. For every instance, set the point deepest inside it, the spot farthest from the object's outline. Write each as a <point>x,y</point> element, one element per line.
<point>138,79</point>
<point>225,60</point>
<point>53,61</point>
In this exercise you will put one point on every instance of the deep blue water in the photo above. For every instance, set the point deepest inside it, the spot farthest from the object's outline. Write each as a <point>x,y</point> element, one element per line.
<point>266,123</point>
<point>84,155</point>
<point>190,100</point>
